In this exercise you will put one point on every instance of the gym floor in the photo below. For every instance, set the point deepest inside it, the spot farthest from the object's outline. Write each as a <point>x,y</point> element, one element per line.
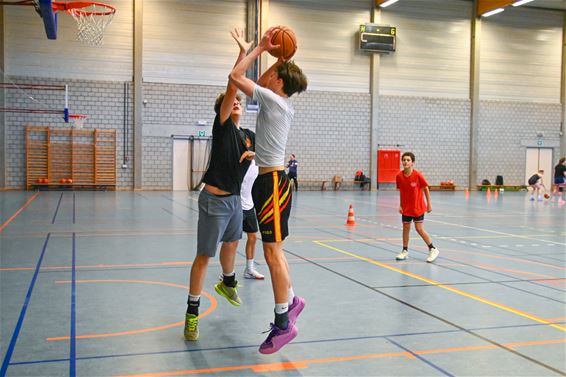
<point>95,284</point>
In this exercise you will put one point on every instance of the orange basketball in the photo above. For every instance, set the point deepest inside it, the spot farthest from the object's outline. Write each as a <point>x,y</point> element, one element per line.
<point>546,196</point>
<point>69,180</point>
<point>285,38</point>
<point>63,180</point>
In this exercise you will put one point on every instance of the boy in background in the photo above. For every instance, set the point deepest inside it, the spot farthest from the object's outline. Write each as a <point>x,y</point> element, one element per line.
<point>411,185</point>
<point>250,222</point>
<point>536,184</point>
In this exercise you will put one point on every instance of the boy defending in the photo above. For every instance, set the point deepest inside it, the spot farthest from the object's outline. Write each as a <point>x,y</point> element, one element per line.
<point>220,209</point>
<point>411,185</point>
<point>271,190</point>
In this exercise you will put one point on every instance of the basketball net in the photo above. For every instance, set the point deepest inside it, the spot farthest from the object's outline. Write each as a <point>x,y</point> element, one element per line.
<point>92,20</point>
<point>77,120</point>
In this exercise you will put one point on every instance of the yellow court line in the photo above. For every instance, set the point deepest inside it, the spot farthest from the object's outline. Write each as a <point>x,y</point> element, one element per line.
<point>451,289</point>
<point>496,232</point>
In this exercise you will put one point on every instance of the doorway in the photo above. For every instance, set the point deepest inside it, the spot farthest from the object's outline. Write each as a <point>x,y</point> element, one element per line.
<point>537,159</point>
<point>190,161</point>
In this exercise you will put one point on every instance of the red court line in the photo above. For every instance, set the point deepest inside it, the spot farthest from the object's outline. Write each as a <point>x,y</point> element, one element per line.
<point>7,222</point>
<point>157,264</point>
<point>213,305</point>
<point>303,364</point>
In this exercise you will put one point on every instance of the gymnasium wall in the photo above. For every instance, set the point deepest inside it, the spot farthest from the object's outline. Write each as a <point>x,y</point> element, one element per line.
<point>424,86</point>
<point>103,101</point>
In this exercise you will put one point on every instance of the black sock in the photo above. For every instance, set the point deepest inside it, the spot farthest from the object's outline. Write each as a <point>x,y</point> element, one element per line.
<point>192,306</point>
<point>282,320</point>
<point>431,246</point>
<point>229,281</point>
<point>405,248</point>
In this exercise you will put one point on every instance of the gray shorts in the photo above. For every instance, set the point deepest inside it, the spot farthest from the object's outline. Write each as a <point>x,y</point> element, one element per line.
<point>219,219</point>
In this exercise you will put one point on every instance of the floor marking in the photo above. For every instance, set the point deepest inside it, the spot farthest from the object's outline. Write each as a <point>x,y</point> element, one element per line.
<point>213,305</point>
<point>7,222</point>
<point>303,364</point>
<point>16,333</point>
<point>421,358</point>
<point>495,232</point>
<point>159,264</point>
<point>57,209</point>
<point>451,289</point>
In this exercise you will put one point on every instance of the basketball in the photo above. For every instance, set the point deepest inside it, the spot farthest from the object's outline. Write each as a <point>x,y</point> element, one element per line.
<point>546,196</point>
<point>285,38</point>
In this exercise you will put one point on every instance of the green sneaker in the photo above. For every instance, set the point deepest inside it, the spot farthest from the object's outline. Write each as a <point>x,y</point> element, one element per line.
<point>231,294</point>
<point>191,327</point>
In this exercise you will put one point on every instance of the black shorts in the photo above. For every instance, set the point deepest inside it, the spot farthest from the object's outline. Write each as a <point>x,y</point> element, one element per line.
<point>250,221</point>
<point>408,219</point>
<point>272,199</point>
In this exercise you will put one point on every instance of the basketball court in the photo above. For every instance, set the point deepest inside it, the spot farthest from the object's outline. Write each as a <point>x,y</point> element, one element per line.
<point>106,115</point>
<point>88,291</point>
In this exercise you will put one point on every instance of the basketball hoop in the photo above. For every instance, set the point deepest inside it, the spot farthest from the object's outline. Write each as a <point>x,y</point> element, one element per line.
<point>92,19</point>
<point>77,120</point>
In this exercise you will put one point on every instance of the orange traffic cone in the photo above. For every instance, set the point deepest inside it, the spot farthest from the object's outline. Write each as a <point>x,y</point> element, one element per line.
<point>351,219</point>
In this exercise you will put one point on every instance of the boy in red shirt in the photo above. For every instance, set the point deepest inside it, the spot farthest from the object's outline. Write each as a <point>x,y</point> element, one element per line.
<point>411,185</point>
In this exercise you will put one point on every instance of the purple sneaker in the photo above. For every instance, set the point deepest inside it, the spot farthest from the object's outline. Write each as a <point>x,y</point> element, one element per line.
<point>296,308</point>
<point>277,338</point>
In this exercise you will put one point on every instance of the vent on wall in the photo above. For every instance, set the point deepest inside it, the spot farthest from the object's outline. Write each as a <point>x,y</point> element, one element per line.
<point>377,38</point>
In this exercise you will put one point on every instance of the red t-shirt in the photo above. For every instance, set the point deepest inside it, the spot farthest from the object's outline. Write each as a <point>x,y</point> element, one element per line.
<point>411,189</point>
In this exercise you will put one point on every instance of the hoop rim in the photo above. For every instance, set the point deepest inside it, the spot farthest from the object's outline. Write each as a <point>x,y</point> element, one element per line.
<point>78,116</point>
<point>75,6</point>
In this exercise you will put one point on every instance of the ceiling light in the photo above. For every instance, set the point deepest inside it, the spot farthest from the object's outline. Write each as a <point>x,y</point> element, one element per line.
<point>388,3</point>
<point>492,12</point>
<point>521,2</point>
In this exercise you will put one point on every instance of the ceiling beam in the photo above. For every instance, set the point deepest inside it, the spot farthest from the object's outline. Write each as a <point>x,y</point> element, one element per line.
<point>485,6</point>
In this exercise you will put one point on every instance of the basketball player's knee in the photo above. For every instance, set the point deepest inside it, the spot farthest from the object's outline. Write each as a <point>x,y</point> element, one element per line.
<point>252,237</point>
<point>201,261</point>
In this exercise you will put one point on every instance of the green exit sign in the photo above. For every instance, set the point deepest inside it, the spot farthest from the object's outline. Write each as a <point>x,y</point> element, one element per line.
<point>201,133</point>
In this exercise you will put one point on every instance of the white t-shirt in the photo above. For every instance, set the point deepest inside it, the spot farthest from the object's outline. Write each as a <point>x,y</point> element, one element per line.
<point>272,128</point>
<point>246,191</point>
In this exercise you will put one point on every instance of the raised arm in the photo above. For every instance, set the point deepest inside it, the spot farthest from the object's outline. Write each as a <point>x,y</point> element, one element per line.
<point>238,74</point>
<point>231,89</point>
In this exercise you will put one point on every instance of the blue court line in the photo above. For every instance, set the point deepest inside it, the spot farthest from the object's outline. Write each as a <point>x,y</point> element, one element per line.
<point>422,358</point>
<point>16,333</point>
<point>179,203</point>
<point>255,345</point>
<point>57,209</point>
<point>468,273</point>
<point>484,279</point>
<point>73,355</point>
<point>172,214</point>
<point>73,209</point>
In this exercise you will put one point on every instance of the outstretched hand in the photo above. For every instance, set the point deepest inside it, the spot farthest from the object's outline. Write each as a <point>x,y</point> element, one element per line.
<point>238,35</point>
<point>247,155</point>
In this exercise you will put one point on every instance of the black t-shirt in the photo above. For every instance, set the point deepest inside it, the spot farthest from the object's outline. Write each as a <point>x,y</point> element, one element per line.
<point>559,170</point>
<point>228,144</point>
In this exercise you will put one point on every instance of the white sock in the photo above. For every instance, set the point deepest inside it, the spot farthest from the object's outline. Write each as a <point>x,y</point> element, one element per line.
<point>194,298</point>
<point>281,308</point>
<point>250,264</point>
<point>230,274</point>
<point>291,295</point>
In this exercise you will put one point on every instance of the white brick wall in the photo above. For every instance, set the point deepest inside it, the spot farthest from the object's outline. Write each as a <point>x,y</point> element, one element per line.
<point>102,101</point>
<point>436,130</point>
<point>502,128</point>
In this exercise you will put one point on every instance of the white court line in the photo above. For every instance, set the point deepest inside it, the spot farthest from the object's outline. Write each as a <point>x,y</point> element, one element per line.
<point>496,232</point>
